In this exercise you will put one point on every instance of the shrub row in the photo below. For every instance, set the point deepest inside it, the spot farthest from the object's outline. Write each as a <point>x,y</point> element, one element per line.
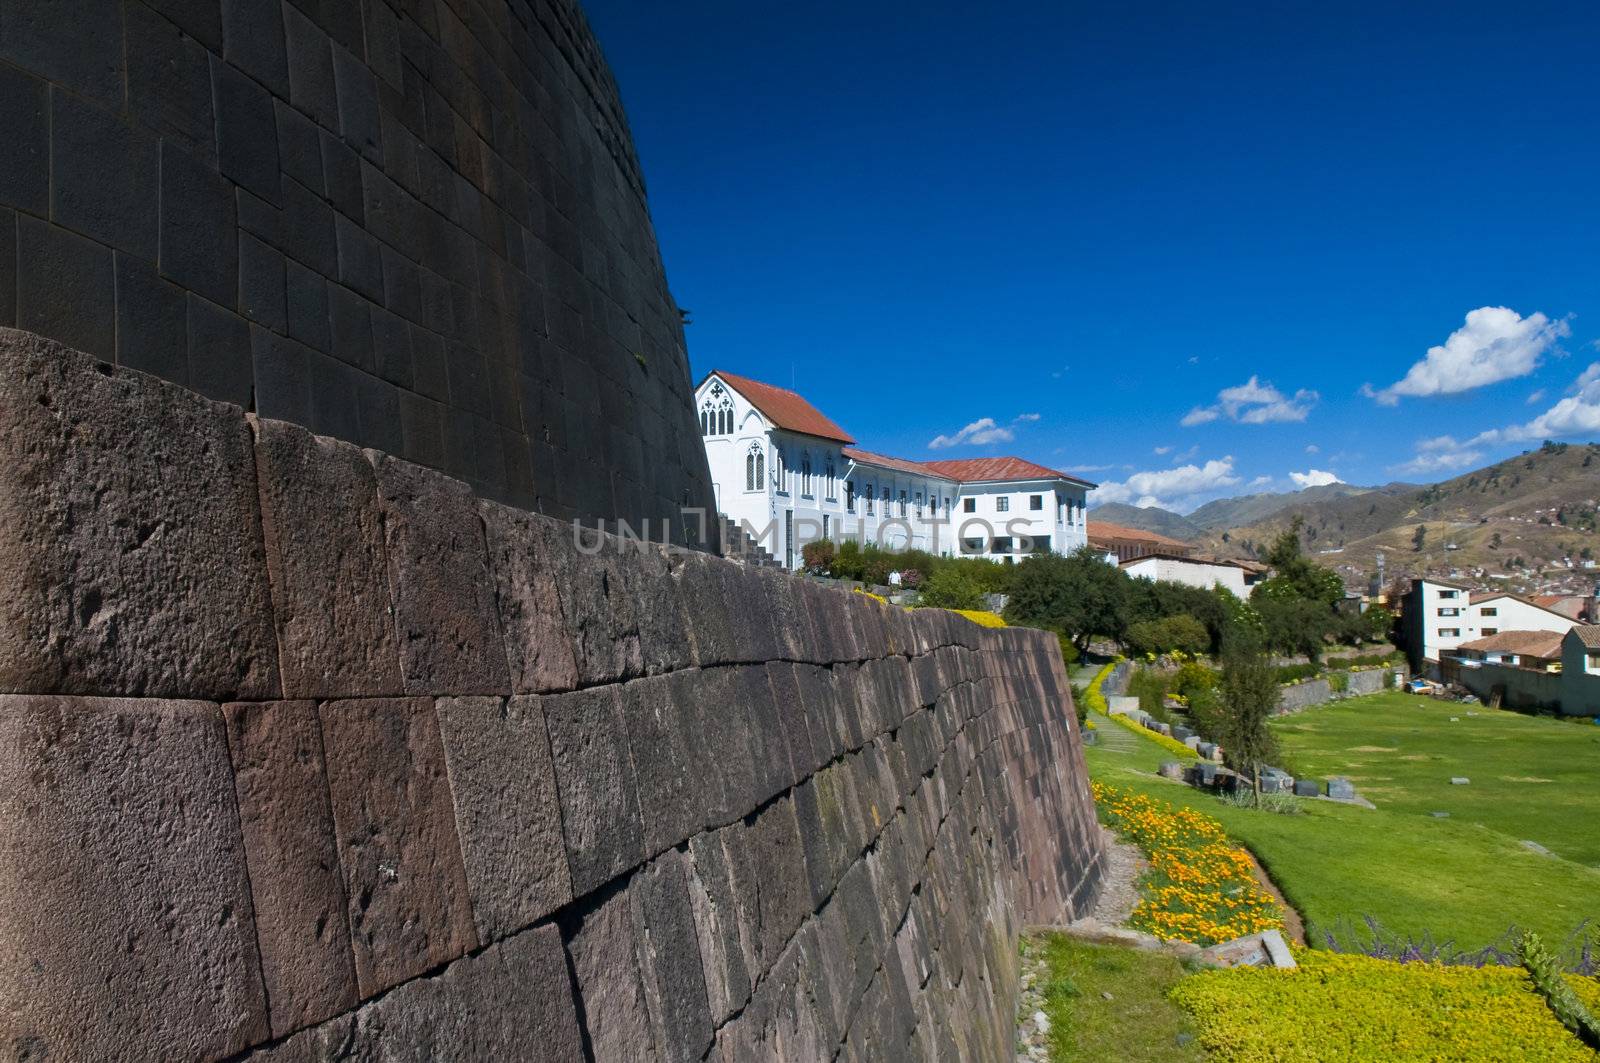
<point>1167,742</point>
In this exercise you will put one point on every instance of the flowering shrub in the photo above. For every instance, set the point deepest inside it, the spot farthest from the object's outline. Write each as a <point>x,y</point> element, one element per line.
<point>874,597</point>
<point>1349,1007</point>
<point>1093,698</point>
<point>1200,886</point>
<point>981,617</point>
<point>1167,742</point>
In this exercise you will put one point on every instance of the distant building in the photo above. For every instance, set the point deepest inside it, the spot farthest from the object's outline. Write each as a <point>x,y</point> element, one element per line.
<point>1128,544</point>
<point>1536,670</point>
<point>1581,607</point>
<point>790,475</point>
<point>1440,615</point>
<point>1237,576</point>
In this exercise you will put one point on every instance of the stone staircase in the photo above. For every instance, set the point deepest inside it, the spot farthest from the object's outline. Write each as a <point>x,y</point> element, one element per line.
<point>738,545</point>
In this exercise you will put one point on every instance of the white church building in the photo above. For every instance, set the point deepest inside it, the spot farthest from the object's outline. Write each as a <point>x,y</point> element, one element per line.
<point>789,475</point>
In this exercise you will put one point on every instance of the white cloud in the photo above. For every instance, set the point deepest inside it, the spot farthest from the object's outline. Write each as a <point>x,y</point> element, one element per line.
<point>1537,397</point>
<point>979,432</point>
<point>1312,448</point>
<point>1254,403</point>
<point>1025,418</point>
<point>1177,489</point>
<point>1576,415</point>
<point>1437,462</point>
<point>1314,478</point>
<point>1261,481</point>
<point>1163,450</point>
<point>1087,468</point>
<point>1495,344</point>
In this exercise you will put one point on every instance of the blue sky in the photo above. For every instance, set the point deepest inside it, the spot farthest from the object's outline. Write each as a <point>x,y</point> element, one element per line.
<point>1202,244</point>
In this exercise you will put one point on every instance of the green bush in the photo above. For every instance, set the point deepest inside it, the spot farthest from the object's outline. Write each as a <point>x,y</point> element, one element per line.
<point>1150,687</point>
<point>819,555</point>
<point>1557,992</point>
<point>1193,677</point>
<point>1180,633</point>
<point>951,588</point>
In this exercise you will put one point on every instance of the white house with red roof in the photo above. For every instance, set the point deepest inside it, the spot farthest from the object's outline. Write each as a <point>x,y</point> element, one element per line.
<point>790,475</point>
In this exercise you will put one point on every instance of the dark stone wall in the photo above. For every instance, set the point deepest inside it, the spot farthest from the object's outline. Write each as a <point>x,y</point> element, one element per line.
<point>417,225</point>
<point>309,753</point>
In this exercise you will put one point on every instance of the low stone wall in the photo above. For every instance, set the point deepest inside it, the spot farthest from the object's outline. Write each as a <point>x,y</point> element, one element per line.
<point>310,753</point>
<point>1297,696</point>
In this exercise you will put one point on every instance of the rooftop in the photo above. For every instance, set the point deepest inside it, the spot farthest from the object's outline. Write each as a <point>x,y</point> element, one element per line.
<point>1589,635</point>
<point>991,470</point>
<point>867,457</point>
<point>1545,644</point>
<point>784,408</point>
<point>1103,529</point>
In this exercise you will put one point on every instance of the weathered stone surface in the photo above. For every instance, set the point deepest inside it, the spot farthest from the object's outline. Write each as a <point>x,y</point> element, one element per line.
<point>601,615</point>
<point>599,798</point>
<point>511,1001</point>
<point>298,893</point>
<point>606,966</point>
<point>125,916</point>
<point>508,815</point>
<point>769,878</point>
<point>726,954</point>
<point>722,756</point>
<point>439,568</point>
<point>769,744</point>
<point>325,556</point>
<point>407,892</point>
<point>672,788</point>
<point>538,648</point>
<point>669,958</point>
<point>129,528</point>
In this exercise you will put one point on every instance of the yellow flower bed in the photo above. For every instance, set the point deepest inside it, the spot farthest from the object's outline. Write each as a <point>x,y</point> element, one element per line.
<point>1093,699</point>
<point>1166,742</point>
<point>874,597</point>
<point>1200,886</point>
<point>981,617</point>
<point>1350,1007</point>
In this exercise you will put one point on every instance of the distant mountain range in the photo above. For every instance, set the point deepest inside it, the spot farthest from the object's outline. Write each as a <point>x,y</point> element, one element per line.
<point>1518,519</point>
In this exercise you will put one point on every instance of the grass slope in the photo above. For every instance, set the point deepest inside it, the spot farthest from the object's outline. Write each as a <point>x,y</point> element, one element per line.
<point>1531,778</point>
<point>1336,864</point>
<point>1137,1023</point>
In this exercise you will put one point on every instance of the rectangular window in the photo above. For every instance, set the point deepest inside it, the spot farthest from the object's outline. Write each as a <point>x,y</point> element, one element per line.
<point>1490,610</point>
<point>1449,632</point>
<point>825,525</point>
<point>902,503</point>
<point>1000,544</point>
<point>1449,612</point>
<point>1594,662</point>
<point>1040,544</point>
<point>1002,504</point>
<point>1491,631</point>
<point>1447,594</point>
<point>850,496</point>
<point>1036,502</point>
<point>969,505</point>
<point>972,546</point>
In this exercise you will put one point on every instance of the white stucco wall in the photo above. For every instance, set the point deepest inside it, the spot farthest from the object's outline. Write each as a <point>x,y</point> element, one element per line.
<point>1190,573</point>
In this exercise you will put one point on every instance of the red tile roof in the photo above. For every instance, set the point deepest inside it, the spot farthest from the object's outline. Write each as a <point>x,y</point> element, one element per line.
<point>867,457</point>
<point>1545,644</point>
<point>984,470</point>
<point>784,408</point>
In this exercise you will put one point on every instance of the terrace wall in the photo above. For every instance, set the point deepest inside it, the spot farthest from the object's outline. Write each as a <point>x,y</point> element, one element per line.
<point>308,752</point>
<point>416,225</point>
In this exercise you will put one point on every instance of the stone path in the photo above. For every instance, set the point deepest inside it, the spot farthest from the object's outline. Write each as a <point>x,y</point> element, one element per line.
<point>1113,735</point>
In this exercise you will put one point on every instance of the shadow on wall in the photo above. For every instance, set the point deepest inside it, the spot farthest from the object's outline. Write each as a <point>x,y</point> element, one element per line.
<point>416,226</point>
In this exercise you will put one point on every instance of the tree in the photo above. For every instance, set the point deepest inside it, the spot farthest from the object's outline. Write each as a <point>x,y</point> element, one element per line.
<point>1296,576</point>
<point>1249,697</point>
<point>951,587</point>
<point>1419,537</point>
<point>1079,595</point>
<point>1182,633</point>
<point>1295,625</point>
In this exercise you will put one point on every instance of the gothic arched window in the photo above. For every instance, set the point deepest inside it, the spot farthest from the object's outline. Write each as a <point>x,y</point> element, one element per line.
<point>755,468</point>
<point>805,475</point>
<point>716,412</point>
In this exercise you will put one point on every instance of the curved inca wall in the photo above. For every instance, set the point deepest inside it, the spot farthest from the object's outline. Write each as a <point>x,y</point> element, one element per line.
<point>417,225</point>
<point>307,753</point>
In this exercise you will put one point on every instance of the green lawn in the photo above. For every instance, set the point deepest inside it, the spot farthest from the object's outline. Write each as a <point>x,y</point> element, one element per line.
<point>1531,777</point>
<point>1465,877</point>
<point>1137,1023</point>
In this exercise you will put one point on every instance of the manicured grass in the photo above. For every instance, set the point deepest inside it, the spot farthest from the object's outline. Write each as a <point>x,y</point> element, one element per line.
<point>1137,1023</point>
<point>1532,778</point>
<point>1336,864</point>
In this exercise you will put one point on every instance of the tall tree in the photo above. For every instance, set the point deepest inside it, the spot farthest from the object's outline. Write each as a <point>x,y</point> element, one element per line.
<point>1249,698</point>
<point>1079,596</point>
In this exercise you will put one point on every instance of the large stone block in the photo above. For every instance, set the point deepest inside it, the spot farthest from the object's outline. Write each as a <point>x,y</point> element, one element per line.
<point>673,789</point>
<point>722,756</point>
<point>605,964</point>
<point>769,876</point>
<point>726,952</point>
<point>508,814</point>
<point>125,917</point>
<point>669,958</point>
<point>513,1000</point>
<point>600,613</point>
<point>538,648</point>
<point>298,892</point>
<point>325,555</point>
<point>130,532</point>
<point>406,887</point>
<point>450,640</point>
<point>599,797</point>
